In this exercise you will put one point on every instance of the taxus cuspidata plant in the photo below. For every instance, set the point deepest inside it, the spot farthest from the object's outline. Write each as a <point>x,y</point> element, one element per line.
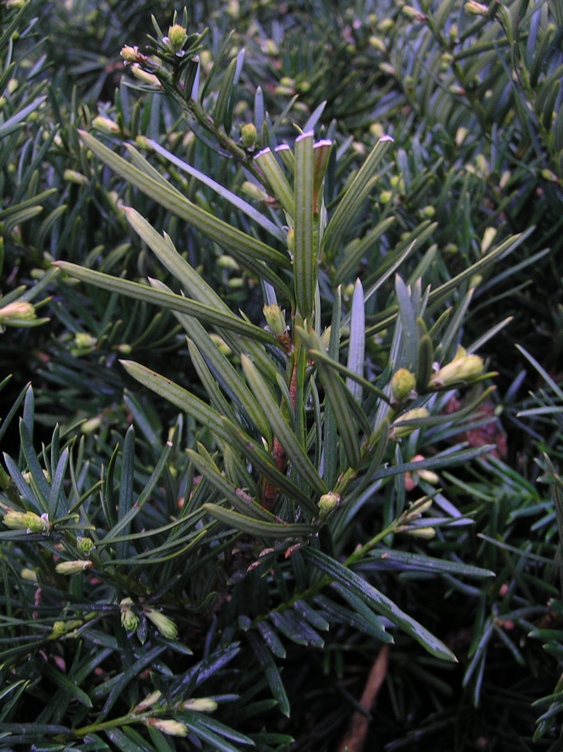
<point>305,422</point>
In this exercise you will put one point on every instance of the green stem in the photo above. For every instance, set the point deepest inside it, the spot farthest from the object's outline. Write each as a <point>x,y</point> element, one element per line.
<point>326,580</point>
<point>114,723</point>
<point>348,476</point>
<point>194,109</point>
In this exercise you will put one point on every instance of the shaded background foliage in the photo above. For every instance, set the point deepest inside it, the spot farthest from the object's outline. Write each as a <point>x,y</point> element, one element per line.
<point>474,106</point>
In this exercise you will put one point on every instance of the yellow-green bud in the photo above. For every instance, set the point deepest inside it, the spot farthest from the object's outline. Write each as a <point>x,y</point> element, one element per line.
<point>177,35</point>
<point>72,176</point>
<point>142,142</point>
<point>270,47</point>
<point>18,310</point>
<point>402,384</point>
<point>105,124</point>
<point>275,319</point>
<point>172,728</point>
<point>144,76</point>
<point>130,54</point>
<point>488,237</point>
<point>248,135</point>
<point>115,201</point>
<point>328,502</point>
<point>462,368</point>
<point>64,627</point>
<point>385,197</point>
<point>377,43</point>
<point>325,337</point>
<point>148,702</point>
<point>399,431</point>
<point>233,9</point>
<point>221,345</point>
<point>282,91</point>
<point>429,476</point>
<point>163,623</point>
<point>427,212</point>
<point>504,179</point>
<point>29,575</point>
<point>549,175</point>
<point>418,508</point>
<point>26,475</point>
<point>482,165</point>
<point>28,521</point>
<point>84,341</point>
<point>426,533</point>
<point>460,135</point>
<point>227,262</point>
<point>386,25</point>
<point>290,239</point>
<point>129,619</point>
<point>73,567</point>
<point>254,191</point>
<point>413,13</point>
<point>89,426</point>
<point>387,68</point>
<point>200,705</point>
<point>476,9</point>
<point>85,545</point>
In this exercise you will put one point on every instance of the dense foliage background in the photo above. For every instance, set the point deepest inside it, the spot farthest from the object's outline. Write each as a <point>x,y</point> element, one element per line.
<point>248,573</point>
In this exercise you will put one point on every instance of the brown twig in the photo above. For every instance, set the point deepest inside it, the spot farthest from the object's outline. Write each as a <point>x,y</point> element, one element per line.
<point>355,737</point>
<point>270,493</point>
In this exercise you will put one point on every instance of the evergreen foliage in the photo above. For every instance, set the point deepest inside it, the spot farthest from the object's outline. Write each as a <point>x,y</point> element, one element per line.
<point>280,335</point>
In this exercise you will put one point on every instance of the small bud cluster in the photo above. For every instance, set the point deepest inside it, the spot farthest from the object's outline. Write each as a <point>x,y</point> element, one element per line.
<point>275,319</point>
<point>28,521</point>
<point>476,9</point>
<point>399,431</point>
<point>85,545</point>
<point>415,512</point>
<point>61,628</point>
<point>105,124</point>
<point>170,727</point>
<point>248,136</point>
<point>83,343</point>
<point>177,36</point>
<point>129,619</point>
<point>150,700</point>
<point>19,310</point>
<point>130,54</point>
<point>163,623</point>
<point>73,567</point>
<point>328,503</point>
<point>200,705</point>
<point>413,14</point>
<point>463,367</point>
<point>402,385</point>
